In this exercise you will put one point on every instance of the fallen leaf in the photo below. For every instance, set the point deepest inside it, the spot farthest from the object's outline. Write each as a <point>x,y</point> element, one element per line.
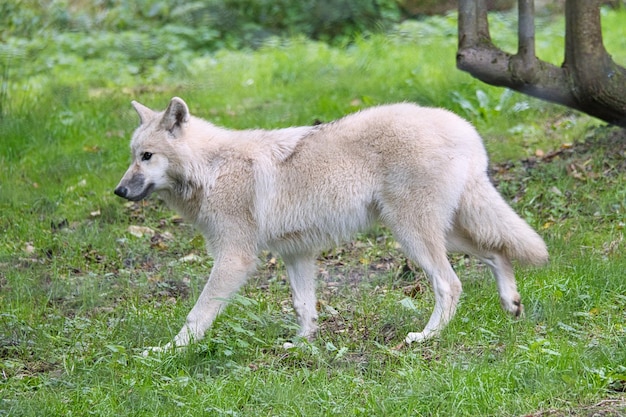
<point>29,248</point>
<point>190,258</point>
<point>139,231</point>
<point>556,191</point>
<point>91,149</point>
<point>330,310</point>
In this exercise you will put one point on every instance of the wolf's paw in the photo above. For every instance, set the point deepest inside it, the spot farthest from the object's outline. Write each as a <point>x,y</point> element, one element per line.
<point>156,350</point>
<point>514,306</point>
<point>152,350</point>
<point>414,337</point>
<point>289,345</point>
<point>419,337</point>
<point>298,342</point>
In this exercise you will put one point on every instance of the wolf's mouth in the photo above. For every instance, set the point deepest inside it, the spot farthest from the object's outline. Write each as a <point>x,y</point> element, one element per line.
<point>124,193</point>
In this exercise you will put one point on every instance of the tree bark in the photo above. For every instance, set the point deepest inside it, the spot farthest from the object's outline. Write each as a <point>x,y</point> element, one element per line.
<point>589,80</point>
<point>600,83</point>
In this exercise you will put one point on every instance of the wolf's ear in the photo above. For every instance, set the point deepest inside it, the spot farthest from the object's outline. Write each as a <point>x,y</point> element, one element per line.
<point>144,113</point>
<point>176,114</point>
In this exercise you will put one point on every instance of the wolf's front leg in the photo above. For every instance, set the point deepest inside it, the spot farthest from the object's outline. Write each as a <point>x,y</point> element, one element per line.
<point>229,273</point>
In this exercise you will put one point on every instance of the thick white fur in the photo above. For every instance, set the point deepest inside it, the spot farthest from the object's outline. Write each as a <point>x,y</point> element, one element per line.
<point>420,171</point>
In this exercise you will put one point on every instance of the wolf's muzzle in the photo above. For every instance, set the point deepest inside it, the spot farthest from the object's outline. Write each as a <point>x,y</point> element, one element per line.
<point>128,193</point>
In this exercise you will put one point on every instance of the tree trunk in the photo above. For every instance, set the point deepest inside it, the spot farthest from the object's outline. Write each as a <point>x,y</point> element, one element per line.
<point>588,80</point>
<point>600,83</point>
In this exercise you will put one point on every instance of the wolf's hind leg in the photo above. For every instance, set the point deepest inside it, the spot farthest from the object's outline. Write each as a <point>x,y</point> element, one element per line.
<point>301,273</point>
<point>502,270</point>
<point>500,266</point>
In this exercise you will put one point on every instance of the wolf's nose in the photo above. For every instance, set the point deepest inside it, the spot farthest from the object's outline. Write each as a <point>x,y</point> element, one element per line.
<point>121,191</point>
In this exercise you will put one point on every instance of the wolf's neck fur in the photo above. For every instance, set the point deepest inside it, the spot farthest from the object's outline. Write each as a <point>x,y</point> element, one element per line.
<point>278,144</point>
<point>202,161</point>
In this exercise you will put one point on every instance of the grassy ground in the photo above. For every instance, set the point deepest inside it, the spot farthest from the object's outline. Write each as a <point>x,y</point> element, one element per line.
<point>81,296</point>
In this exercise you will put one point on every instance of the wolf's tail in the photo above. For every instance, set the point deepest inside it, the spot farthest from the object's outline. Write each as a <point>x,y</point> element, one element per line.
<point>492,224</point>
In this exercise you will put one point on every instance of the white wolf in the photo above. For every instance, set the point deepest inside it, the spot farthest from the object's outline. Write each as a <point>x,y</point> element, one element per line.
<point>296,191</point>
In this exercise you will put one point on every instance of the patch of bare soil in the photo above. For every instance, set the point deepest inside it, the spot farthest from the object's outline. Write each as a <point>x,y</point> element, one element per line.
<point>608,141</point>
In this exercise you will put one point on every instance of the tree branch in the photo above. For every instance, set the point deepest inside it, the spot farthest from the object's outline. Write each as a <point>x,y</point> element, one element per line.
<point>526,32</point>
<point>482,21</point>
<point>589,80</point>
<point>467,23</point>
<point>522,72</point>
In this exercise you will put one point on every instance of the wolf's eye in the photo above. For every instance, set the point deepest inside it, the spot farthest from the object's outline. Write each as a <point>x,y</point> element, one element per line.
<point>146,156</point>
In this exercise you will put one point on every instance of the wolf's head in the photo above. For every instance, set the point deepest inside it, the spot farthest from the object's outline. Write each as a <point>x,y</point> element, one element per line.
<point>153,147</point>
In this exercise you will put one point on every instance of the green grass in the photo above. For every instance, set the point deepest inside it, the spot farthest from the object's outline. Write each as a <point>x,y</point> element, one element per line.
<point>80,297</point>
